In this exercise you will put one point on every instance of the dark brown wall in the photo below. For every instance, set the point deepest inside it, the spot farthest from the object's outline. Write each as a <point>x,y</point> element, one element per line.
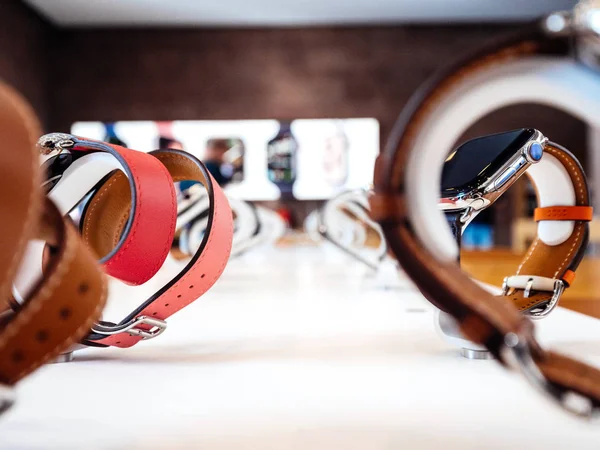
<point>159,74</point>
<point>237,74</point>
<point>24,53</point>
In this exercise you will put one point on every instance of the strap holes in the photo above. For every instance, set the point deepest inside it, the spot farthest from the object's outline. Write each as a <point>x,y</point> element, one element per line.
<point>83,288</point>
<point>64,313</point>
<point>42,335</point>
<point>191,286</point>
<point>17,356</point>
<point>166,304</point>
<point>203,275</point>
<point>153,313</point>
<point>118,342</point>
<point>179,296</point>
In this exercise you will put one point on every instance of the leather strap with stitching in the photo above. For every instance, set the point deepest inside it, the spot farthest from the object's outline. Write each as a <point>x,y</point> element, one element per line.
<point>205,266</point>
<point>73,291</point>
<point>557,261</point>
<point>483,318</point>
<point>146,220</point>
<point>62,306</point>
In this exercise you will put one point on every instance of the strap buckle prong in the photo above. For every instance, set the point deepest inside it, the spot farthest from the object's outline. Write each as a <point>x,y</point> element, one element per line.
<point>539,312</point>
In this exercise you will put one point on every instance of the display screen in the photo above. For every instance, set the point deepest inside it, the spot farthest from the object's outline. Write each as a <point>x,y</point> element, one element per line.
<point>476,160</point>
<point>262,160</point>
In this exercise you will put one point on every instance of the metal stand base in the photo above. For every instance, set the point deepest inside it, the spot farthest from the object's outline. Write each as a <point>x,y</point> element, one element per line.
<point>475,354</point>
<point>63,358</point>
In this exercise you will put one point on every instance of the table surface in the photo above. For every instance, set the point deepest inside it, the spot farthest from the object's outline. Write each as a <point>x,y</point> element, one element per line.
<point>296,348</point>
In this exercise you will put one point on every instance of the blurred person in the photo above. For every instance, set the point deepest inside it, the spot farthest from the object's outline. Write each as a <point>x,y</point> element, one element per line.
<point>214,159</point>
<point>169,142</point>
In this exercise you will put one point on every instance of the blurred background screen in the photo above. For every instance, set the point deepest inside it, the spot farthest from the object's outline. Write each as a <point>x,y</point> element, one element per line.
<point>262,160</point>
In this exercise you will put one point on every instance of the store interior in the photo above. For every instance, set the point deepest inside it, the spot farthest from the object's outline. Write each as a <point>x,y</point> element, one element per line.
<point>315,334</point>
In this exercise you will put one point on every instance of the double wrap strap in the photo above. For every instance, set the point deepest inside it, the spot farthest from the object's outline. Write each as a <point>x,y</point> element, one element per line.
<point>137,248</point>
<point>70,295</point>
<point>487,320</point>
<point>201,272</point>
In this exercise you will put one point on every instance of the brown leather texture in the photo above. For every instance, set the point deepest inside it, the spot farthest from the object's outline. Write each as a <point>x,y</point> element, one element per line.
<point>72,292</point>
<point>483,318</point>
<point>62,307</point>
<point>106,215</point>
<point>553,261</point>
<point>19,183</point>
<point>585,213</point>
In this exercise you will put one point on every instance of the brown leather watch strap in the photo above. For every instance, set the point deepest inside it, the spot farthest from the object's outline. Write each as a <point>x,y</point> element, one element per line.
<point>72,292</point>
<point>558,262</point>
<point>487,320</point>
<point>62,306</point>
<point>19,183</point>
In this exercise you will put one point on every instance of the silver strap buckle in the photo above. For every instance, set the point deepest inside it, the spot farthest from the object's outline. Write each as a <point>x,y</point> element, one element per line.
<point>517,355</point>
<point>158,326</point>
<point>539,312</point>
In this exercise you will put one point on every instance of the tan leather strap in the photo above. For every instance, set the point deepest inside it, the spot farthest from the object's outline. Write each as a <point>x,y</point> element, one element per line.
<point>484,319</point>
<point>62,305</point>
<point>19,183</point>
<point>554,261</point>
<point>584,213</point>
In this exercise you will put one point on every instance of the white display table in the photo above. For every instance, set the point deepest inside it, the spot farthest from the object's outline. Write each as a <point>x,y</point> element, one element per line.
<point>296,349</point>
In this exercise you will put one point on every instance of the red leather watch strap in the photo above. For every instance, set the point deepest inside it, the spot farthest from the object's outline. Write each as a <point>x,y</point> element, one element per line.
<point>148,215</point>
<point>206,265</point>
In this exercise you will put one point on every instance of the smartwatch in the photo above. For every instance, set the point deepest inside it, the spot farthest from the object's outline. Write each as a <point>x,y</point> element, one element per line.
<point>480,170</point>
<point>405,204</point>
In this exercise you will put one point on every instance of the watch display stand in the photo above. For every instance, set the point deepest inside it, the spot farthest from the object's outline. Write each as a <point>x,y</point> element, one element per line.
<point>445,324</point>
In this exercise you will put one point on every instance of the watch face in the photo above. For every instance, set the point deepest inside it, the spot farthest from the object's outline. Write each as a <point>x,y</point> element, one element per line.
<point>475,161</point>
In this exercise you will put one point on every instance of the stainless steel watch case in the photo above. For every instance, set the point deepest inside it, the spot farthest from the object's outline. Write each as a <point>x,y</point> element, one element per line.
<point>475,201</point>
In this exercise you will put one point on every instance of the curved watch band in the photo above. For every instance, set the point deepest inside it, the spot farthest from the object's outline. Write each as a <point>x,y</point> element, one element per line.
<point>192,220</point>
<point>198,276</point>
<point>550,263</point>
<point>484,319</point>
<point>139,249</point>
<point>62,306</point>
<point>72,292</point>
<point>350,206</point>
